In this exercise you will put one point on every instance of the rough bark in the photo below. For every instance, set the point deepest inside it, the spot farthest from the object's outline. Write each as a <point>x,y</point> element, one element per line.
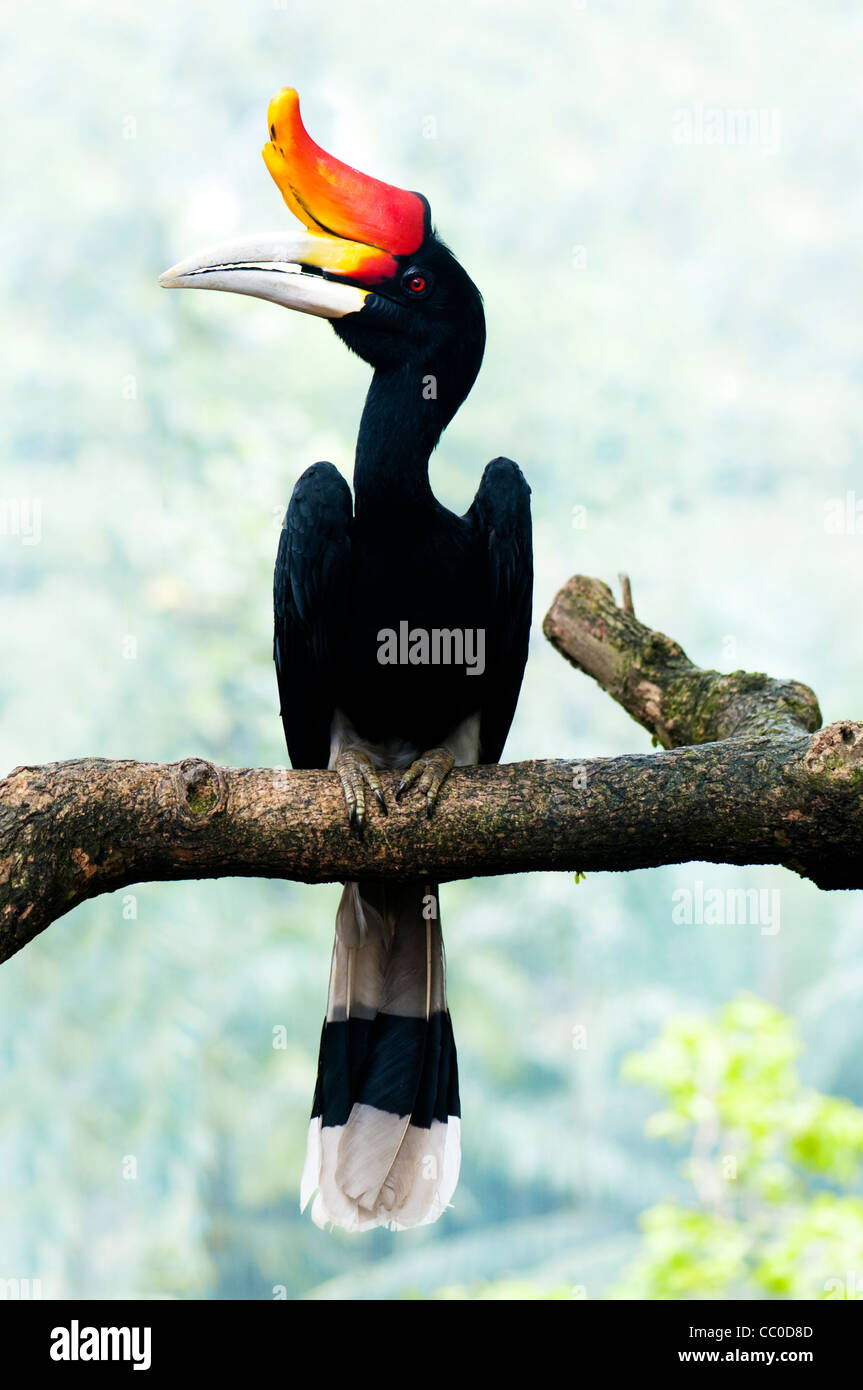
<point>764,785</point>
<point>656,683</point>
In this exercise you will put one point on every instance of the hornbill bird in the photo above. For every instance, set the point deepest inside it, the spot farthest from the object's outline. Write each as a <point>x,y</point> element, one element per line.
<point>401,635</point>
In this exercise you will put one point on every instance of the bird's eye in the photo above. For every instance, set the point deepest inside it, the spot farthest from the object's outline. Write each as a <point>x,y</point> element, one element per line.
<point>418,283</point>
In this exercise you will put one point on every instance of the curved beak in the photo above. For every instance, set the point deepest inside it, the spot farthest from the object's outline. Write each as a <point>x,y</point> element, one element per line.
<point>294,269</point>
<point>354,228</point>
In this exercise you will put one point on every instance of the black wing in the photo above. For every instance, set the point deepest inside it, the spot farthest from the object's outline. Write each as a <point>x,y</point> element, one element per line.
<point>501,511</point>
<point>310,588</point>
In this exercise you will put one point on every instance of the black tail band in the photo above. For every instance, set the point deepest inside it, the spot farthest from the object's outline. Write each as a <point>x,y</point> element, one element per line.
<point>400,1047</point>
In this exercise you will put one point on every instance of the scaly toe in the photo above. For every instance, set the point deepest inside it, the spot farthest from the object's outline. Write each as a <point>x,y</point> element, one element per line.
<point>429,772</point>
<point>356,772</point>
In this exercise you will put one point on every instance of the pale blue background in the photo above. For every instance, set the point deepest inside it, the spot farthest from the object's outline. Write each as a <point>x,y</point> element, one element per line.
<point>674,345</point>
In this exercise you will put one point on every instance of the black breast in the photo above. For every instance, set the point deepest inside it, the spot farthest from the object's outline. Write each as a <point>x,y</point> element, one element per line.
<point>414,650</point>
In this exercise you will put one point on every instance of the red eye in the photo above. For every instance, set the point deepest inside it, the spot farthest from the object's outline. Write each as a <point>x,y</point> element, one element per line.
<point>417,282</point>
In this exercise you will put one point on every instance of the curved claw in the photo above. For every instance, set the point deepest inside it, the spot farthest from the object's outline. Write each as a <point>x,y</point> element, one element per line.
<point>356,772</point>
<point>429,772</point>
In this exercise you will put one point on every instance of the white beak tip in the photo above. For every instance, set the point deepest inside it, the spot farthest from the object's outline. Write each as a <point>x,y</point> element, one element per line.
<point>268,267</point>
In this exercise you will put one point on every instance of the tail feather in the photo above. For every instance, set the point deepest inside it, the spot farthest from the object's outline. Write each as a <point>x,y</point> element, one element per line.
<point>384,1142</point>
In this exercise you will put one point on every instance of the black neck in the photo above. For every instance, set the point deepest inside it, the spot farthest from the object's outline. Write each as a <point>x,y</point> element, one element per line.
<point>402,422</point>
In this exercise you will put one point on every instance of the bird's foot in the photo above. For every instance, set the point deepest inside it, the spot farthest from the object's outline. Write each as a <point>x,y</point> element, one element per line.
<point>430,770</point>
<point>356,772</point>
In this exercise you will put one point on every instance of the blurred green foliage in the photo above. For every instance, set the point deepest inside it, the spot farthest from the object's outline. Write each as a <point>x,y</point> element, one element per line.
<point>761,1146</point>
<point>673,359</point>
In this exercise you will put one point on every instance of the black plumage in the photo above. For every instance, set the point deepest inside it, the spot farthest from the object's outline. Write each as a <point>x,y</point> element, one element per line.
<point>339,581</point>
<point>341,578</point>
<point>394,559</point>
<point>401,635</point>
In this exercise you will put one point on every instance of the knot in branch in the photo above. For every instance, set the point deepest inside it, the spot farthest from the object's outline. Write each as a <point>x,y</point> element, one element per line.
<point>837,750</point>
<point>201,789</point>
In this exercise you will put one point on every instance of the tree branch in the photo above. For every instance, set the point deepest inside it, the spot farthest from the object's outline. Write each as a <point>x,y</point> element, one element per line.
<point>763,787</point>
<point>656,683</point>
